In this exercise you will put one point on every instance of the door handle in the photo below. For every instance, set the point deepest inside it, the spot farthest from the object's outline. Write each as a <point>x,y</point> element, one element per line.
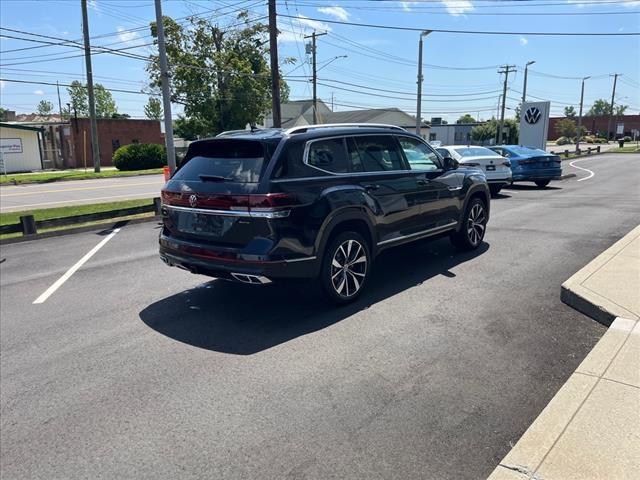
<point>370,187</point>
<point>422,182</point>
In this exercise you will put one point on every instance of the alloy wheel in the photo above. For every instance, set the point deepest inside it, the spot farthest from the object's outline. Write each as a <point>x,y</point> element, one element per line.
<point>476,224</point>
<point>348,268</point>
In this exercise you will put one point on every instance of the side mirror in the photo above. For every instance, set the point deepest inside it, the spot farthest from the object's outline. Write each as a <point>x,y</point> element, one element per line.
<point>450,163</point>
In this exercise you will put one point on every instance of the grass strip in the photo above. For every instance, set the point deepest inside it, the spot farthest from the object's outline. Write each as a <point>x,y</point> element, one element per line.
<point>58,176</point>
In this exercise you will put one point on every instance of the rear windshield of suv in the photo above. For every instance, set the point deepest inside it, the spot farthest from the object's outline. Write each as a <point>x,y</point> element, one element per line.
<point>239,161</point>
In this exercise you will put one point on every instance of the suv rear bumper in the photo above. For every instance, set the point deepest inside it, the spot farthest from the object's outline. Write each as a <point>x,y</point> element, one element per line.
<point>233,264</point>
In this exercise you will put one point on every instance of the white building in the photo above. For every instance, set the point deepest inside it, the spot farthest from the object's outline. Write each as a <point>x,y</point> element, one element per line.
<point>20,148</point>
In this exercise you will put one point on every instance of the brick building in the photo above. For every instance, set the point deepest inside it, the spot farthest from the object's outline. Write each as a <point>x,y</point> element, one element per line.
<point>112,134</point>
<point>599,125</point>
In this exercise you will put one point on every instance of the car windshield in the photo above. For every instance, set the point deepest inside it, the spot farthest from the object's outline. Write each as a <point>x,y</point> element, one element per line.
<point>525,151</point>
<point>475,152</point>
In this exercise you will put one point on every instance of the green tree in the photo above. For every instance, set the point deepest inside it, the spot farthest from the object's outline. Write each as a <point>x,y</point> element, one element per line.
<point>603,107</point>
<point>44,108</point>
<point>484,132</point>
<point>3,114</point>
<point>105,104</point>
<point>569,112</point>
<point>566,128</point>
<point>153,108</point>
<point>466,118</point>
<point>220,75</point>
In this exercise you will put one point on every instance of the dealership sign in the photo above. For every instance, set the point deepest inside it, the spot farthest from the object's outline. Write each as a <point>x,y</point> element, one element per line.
<point>534,124</point>
<point>11,145</point>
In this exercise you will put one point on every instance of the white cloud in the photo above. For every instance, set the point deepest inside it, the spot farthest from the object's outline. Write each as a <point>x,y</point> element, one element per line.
<point>523,41</point>
<point>338,13</point>
<point>313,24</point>
<point>458,7</point>
<point>406,6</point>
<point>2,84</point>
<point>129,38</point>
<point>38,92</point>
<point>287,36</point>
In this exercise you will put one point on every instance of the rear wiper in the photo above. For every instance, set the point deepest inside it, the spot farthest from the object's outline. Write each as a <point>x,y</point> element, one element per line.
<point>213,178</point>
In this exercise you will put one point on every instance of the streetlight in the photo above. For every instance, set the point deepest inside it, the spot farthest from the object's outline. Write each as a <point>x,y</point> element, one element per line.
<point>331,60</point>
<point>578,132</point>
<point>424,33</point>
<point>524,88</point>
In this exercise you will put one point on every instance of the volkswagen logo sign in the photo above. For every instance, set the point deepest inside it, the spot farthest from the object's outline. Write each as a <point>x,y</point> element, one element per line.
<point>193,201</point>
<point>532,115</point>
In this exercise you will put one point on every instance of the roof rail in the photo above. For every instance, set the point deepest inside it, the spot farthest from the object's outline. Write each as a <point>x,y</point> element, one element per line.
<point>306,128</point>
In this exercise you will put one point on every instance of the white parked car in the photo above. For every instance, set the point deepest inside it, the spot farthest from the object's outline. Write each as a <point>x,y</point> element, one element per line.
<point>496,168</point>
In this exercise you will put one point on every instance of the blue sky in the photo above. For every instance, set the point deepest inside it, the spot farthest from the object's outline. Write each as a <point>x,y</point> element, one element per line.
<point>376,59</point>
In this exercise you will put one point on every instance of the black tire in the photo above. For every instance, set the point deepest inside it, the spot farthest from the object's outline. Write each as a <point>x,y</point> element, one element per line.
<point>474,226</point>
<point>495,190</point>
<point>344,281</point>
<point>542,183</point>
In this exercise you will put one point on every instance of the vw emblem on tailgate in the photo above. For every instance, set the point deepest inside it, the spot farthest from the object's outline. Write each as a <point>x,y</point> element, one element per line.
<point>193,201</point>
<point>532,115</point>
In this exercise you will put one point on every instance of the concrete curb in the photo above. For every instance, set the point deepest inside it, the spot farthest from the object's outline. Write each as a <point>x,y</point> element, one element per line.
<point>568,175</point>
<point>70,231</point>
<point>576,295</point>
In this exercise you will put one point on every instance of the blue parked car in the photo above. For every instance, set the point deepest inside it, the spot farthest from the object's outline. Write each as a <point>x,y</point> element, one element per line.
<point>531,164</point>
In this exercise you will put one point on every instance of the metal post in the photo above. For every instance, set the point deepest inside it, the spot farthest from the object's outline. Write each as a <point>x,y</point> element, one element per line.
<point>420,78</point>
<point>578,132</point>
<point>166,93</point>
<point>275,73</point>
<point>95,145</point>
<point>524,87</point>
<point>613,96</point>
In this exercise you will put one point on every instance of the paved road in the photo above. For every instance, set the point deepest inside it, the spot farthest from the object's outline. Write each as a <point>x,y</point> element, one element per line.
<point>135,370</point>
<point>76,192</point>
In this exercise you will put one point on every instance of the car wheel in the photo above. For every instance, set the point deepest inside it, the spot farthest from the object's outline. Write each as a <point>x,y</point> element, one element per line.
<point>346,266</point>
<point>542,183</point>
<point>473,227</point>
<point>495,189</point>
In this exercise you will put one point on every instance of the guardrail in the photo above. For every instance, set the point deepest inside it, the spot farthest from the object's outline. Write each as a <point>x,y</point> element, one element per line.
<point>29,226</point>
<point>566,153</point>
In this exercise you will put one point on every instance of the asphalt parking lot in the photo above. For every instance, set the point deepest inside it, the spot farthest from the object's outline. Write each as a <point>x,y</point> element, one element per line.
<point>131,369</point>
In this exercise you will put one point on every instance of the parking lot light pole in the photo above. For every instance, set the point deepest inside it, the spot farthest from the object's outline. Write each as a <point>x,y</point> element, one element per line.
<point>524,87</point>
<point>578,131</point>
<point>419,95</point>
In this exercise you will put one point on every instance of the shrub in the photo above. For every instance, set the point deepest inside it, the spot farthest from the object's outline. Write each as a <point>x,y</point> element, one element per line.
<point>140,156</point>
<point>563,141</point>
<point>628,139</point>
<point>600,140</point>
<point>589,139</point>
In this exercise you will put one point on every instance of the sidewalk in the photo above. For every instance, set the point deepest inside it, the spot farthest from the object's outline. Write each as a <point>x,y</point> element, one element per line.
<point>591,428</point>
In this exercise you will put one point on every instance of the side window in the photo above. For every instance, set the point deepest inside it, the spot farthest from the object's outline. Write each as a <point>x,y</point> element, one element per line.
<point>419,155</point>
<point>328,155</point>
<point>379,153</point>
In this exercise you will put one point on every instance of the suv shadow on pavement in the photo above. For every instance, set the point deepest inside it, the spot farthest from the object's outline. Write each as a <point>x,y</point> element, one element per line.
<point>243,319</point>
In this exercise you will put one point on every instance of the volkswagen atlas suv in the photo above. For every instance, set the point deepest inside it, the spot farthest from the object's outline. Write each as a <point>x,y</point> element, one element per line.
<point>314,202</point>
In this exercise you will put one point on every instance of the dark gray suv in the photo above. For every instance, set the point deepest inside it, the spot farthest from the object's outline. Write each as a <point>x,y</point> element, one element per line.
<point>314,202</point>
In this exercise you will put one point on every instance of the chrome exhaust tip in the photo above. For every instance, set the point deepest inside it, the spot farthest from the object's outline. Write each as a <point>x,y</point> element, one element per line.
<point>251,279</point>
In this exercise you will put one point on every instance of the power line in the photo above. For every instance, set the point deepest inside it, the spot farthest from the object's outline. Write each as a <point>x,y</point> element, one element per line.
<point>469,32</point>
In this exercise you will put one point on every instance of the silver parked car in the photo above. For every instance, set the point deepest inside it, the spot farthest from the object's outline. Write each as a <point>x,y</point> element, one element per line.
<point>496,168</point>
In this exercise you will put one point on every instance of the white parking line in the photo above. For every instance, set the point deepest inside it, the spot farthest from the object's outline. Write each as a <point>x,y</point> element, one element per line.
<point>591,174</point>
<point>42,298</point>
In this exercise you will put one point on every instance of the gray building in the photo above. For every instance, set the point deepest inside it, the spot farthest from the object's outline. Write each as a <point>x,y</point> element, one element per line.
<point>299,113</point>
<point>452,134</point>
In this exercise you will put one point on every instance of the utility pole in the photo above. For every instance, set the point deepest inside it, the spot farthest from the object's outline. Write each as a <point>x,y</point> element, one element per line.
<point>95,145</point>
<point>613,96</point>
<point>166,93</point>
<point>524,87</point>
<point>275,72</point>
<point>579,132</point>
<point>506,71</point>
<point>59,101</point>
<point>315,73</point>
<point>420,78</point>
